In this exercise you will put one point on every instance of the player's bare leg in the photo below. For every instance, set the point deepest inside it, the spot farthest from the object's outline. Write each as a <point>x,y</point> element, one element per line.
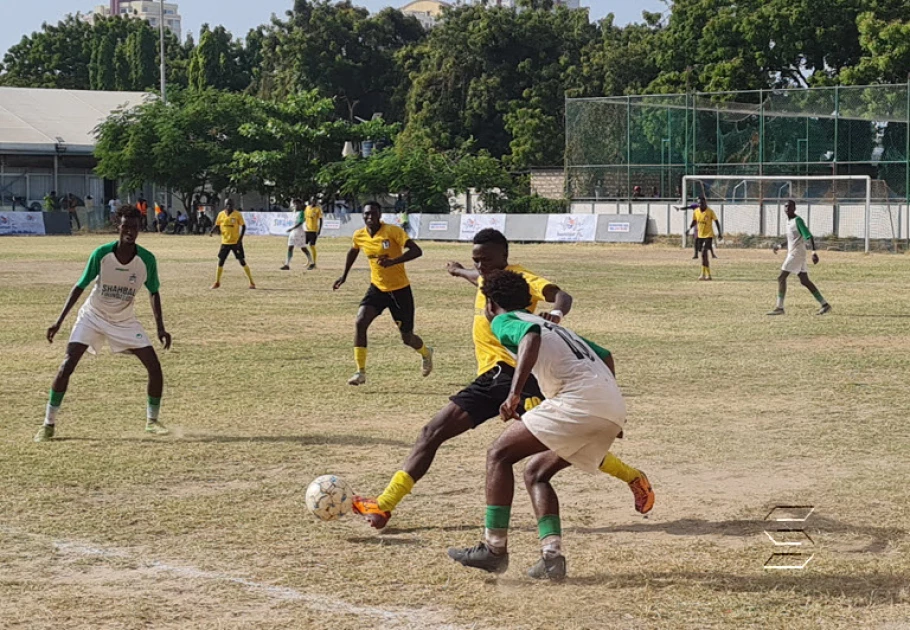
<point>365,317</point>
<point>491,554</point>
<point>74,354</point>
<point>451,421</point>
<point>149,359</point>
<point>804,280</point>
<point>781,293</point>
<point>705,263</point>
<point>287,262</point>
<point>538,473</point>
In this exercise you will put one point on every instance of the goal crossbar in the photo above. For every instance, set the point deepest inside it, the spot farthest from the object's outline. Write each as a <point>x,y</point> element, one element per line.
<point>778,178</point>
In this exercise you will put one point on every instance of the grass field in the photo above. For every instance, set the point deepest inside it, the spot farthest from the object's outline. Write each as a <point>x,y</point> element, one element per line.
<point>731,413</point>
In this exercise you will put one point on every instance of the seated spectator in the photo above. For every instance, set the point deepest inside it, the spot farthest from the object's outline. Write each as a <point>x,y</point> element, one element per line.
<point>180,225</point>
<point>203,224</point>
<point>162,218</point>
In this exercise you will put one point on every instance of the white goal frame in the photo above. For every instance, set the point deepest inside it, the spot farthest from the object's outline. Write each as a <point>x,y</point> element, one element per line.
<point>778,178</point>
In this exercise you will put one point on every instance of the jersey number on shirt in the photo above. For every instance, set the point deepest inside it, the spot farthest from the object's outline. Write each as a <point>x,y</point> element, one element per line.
<point>579,349</point>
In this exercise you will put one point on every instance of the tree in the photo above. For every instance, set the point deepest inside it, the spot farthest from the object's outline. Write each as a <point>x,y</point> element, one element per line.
<point>216,63</point>
<point>290,141</point>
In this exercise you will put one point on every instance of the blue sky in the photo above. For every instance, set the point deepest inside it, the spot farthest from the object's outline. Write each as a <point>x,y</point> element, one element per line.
<point>23,18</point>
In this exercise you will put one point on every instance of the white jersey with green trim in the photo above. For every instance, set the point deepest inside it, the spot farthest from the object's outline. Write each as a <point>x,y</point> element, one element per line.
<point>117,283</point>
<point>796,243</point>
<point>568,370</point>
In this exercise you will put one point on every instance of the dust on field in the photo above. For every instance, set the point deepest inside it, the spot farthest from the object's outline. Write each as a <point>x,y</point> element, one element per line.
<point>731,412</point>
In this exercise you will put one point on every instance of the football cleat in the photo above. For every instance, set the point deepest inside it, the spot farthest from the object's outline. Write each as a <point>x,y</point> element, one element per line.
<point>285,268</point>
<point>216,285</point>
<point>427,362</point>
<point>826,308</point>
<point>369,509</point>
<point>549,568</point>
<point>311,266</point>
<point>359,378</point>
<point>644,494</point>
<point>156,428</point>
<point>480,557</point>
<point>45,433</point>
<point>777,311</point>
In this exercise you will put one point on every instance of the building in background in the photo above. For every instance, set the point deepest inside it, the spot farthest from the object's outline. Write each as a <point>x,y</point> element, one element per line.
<point>148,10</point>
<point>427,12</point>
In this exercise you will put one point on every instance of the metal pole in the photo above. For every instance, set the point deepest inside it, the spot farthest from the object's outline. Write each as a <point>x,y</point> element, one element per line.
<point>836,118</point>
<point>868,210</point>
<point>906,158</point>
<point>761,134</point>
<point>629,147</point>
<point>161,51</point>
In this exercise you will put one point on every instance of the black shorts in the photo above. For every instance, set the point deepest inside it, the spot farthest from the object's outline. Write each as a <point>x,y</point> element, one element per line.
<point>237,248</point>
<point>310,237</point>
<point>482,398</point>
<point>701,243</point>
<point>400,304</point>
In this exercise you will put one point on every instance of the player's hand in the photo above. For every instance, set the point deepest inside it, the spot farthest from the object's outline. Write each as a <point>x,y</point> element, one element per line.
<point>338,284</point>
<point>814,259</point>
<point>508,409</point>
<point>386,262</point>
<point>550,317</point>
<point>52,332</point>
<point>454,267</point>
<point>165,338</point>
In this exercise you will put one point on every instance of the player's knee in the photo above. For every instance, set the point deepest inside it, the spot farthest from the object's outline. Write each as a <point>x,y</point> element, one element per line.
<point>431,435</point>
<point>499,453</point>
<point>804,279</point>
<point>407,338</point>
<point>68,365</point>
<point>534,473</point>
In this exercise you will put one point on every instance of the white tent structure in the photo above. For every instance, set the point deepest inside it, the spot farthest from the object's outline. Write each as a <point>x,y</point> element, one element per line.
<point>47,140</point>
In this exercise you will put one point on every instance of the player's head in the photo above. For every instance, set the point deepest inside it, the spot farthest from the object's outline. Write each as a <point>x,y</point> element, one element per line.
<point>790,209</point>
<point>129,219</point>
<point>702,202</point>
<point>505,291</point>
<point>491,251</point>
<point>372,213</point>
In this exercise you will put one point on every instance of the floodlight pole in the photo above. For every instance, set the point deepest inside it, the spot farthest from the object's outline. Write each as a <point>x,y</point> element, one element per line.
<point>161,50</point>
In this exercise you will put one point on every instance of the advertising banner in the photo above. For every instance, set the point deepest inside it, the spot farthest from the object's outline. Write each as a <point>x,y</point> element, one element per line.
<point>268,223</point>
<point>571,228</point>
<point>471,224</point>
<point>21,223</point>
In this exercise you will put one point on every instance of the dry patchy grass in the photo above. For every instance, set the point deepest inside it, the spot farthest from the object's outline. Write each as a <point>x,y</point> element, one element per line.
<point>730,413</point>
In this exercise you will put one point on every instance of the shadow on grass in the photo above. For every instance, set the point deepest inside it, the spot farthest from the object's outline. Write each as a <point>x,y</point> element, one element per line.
<point>382,542</point>
<point>864,588</point>
<point>304,440</point>
<point>881,537</point>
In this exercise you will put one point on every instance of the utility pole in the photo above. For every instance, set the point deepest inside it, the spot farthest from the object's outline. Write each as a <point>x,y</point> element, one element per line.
<point>161,42</point>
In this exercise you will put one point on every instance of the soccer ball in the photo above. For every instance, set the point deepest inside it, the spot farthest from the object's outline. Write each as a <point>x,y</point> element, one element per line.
<point>329,497</point>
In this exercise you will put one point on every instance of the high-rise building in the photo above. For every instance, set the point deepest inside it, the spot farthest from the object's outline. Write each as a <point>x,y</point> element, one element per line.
<point>148,10</point>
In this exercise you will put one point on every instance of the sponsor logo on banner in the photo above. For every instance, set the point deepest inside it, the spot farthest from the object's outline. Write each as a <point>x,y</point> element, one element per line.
<point>21,223</point>
<point>571,228</point>
<point>618,227</point>
<point>471,224</point>
<point>331,224</point>
<point>439,226</point>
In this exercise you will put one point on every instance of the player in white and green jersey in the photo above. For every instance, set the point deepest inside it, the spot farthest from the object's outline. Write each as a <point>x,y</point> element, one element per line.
<point>583,413</point>
<point>120,269</point>
<point>296,235</point>
<point>797,236</point>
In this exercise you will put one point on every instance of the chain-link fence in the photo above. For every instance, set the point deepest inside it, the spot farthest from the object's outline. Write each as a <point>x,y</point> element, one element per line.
<point>641,146</point>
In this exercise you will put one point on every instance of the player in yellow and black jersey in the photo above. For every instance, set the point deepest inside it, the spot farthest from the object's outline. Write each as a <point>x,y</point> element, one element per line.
<point>388,248</point>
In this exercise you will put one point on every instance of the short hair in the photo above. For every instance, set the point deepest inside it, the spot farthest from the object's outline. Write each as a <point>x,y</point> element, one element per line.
<point>507,289</point>
<point>490,236</point>
<point>372,203</point>
<point>128,212</point>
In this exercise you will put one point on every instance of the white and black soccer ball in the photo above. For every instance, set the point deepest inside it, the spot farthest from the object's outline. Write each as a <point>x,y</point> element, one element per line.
<point>329,497</point>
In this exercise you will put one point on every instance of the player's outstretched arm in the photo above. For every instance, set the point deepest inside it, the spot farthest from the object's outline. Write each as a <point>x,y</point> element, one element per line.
<point>459,271</point>
<point>163,336</point>
<point>528,353</point>
<point>74,296</point>
<point>412,251</point>
<point>562,303</point>
<point>348,263</point>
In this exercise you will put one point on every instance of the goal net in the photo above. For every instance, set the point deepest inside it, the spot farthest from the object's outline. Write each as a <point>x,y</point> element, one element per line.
<point>847,207</point>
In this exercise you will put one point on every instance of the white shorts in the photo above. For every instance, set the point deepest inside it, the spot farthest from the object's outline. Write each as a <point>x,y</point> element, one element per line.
<point>580,439</point>
<point>795,264</point>
<point>297,238</point>
<point>91,330</point>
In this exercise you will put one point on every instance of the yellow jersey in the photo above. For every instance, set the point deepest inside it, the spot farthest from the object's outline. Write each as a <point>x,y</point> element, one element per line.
<point>487,348</point>
<point>388,242</point>
<point>230,225</point>
<point>312,216</point>
<point>705,220</point>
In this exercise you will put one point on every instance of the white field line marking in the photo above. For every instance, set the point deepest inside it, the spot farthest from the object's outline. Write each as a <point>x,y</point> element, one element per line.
<point>407,618</point>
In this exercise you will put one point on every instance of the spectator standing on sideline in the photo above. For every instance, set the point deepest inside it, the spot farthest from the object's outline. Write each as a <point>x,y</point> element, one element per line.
<point>113,204</point>
<point>50,201</point>
<point>143,206</point>
<point>71,204</point>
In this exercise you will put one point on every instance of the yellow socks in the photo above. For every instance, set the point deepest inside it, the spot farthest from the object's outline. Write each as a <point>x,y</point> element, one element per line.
<point>218,274</point>
<point>249,274</point>
<point>615,467</point>
<point>424,351</point>
<point>360,358</point>
<point>399,487</point>
<point>313,251</point>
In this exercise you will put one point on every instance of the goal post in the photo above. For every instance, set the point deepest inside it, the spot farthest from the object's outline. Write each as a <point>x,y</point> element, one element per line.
<point>752,195</point>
